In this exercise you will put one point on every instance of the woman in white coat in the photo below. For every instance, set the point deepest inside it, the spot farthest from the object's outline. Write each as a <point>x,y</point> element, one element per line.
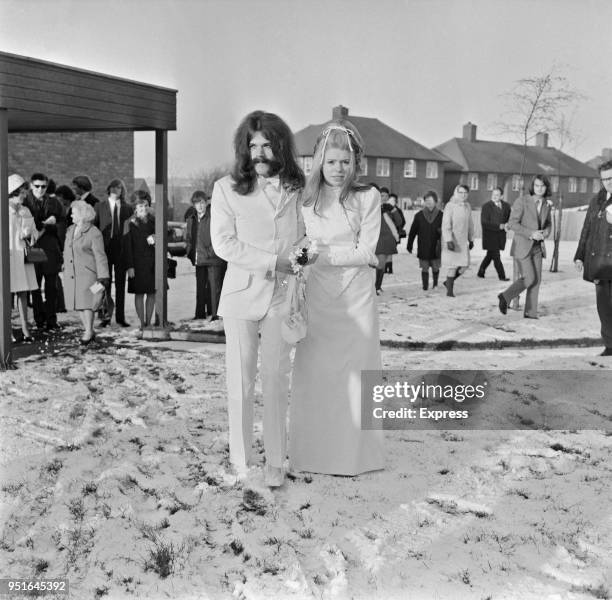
<point>21,230</point>
<point>457,236</point>
<point>343,218</point>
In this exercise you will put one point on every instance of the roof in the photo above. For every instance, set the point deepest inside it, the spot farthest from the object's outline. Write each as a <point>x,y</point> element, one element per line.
<point>484,156</point>
<point>379,139</point>
<point>45,96</point>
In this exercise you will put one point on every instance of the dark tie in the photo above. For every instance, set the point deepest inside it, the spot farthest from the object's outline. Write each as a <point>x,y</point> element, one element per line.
<point>115,233</point>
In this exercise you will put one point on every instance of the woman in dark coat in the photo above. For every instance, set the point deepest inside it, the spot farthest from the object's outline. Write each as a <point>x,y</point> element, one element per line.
<point>139,253</point>
<point>427,227</point>
<point>387,244</point>
<point>493,218</point>
<point>85,264</point>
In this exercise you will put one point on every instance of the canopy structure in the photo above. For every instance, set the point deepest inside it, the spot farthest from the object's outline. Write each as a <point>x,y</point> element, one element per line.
<point>40,96</point>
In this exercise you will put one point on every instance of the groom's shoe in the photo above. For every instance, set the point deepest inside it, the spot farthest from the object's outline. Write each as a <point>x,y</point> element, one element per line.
<point>503,304</point>
<point>274,476</point>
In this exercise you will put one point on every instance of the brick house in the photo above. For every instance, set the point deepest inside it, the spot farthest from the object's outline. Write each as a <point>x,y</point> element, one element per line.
<point>483,165</point>
<point>102,155</point>
<point>392,159</point>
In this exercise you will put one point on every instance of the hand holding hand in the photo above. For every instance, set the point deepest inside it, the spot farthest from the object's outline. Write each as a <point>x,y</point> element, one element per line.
<point>578,264</point>
<point>450,246</point>
<point>537,236</point>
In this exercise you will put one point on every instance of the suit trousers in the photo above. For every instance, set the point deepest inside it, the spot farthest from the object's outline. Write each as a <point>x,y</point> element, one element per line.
<point>116,264</point>
<point>531,274</point>
<point>492,255</point>
<point>241,348</point>
<point>45,312</point>
<point>209,280</point>
<point>603,291</point>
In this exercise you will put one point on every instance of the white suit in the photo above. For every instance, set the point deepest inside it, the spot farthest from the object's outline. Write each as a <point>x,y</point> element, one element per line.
<point>249,232</point>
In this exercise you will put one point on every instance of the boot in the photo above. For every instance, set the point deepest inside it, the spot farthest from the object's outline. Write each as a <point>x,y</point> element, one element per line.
<point>435,278</point>
<point>448,284</point>
<point>425,279</point>
<point>457,274</point>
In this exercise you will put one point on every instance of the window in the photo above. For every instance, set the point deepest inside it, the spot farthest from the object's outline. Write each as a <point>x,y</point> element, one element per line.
<point>584,185</point>
<point>409,168</point>
<point>364,166</point>
<point>431,170</point>
<point>307,164</point>
<point>596,186</point>
<point>554,184</point>
<point>572,184</point>
<point>517,183</point>
<point>383,167</point>
<point>473,181</point>
<point>491,181</point>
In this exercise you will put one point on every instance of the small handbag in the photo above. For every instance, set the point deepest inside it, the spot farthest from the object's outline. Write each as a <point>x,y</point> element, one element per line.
<point>34,254</point>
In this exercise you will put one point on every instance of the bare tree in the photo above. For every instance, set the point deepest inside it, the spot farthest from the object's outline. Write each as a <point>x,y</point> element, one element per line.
<point>205,178</point>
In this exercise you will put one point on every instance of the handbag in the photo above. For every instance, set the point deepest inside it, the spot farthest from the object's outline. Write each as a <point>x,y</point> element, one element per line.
<point>34,254</point>
<point>104,303</point>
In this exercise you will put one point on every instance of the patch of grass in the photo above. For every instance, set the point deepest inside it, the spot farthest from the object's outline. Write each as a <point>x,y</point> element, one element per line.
<point>465,577</point>
<point>306,533</point>
<point>91,487</point>
<point>162,558</point>
<point>53,467</point>
<point>76,508</point>
<point>78,410</point>
<point>12,487</point>
<point>40,566</point>
<point>236,547</point>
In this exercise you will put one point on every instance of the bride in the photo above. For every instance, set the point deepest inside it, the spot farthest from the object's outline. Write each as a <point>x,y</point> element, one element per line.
<point>343,217</point>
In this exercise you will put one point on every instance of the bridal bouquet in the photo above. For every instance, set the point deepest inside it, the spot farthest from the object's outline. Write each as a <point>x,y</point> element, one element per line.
<point>294,327</point>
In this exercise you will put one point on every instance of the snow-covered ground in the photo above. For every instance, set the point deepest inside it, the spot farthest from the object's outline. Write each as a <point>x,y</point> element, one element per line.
<point>114,461</point>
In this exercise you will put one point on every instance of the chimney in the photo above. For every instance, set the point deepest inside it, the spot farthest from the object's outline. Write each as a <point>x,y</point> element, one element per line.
<point>541,139</point>
<point>606,154</point>
<point>469,132</point>
<point>339,112</point>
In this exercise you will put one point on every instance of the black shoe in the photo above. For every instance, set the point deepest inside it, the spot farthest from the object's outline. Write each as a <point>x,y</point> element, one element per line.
<point>530,317</point>
<point>52,326</point>
<point>378,291</point>
<point>123,323</point>
<point>504,279</point>
<point>481,275</point>
<point>606,352</point>
<point>88,341</point>
<point>104,322</point>
<point>503,304</point>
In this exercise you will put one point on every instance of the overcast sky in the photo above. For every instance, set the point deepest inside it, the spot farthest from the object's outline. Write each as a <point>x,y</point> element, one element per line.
<point>424,67</point>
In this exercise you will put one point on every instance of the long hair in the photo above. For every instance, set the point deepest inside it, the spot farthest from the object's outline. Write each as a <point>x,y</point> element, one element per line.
<point>117,183</point>
<point>341,135</point>
<point>273,128</point>
<point>545,181</point>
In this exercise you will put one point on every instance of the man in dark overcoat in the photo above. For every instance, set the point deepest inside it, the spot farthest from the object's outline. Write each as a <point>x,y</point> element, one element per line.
<point>493,218</point>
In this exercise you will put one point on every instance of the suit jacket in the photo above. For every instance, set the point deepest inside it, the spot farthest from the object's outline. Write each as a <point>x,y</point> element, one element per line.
<point>491,217</point>
<point>104,222</point>
<point>249,233</point>
<point>524,221</point>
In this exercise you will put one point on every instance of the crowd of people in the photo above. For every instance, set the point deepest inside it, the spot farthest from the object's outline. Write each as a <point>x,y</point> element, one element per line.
<point>250,243</point>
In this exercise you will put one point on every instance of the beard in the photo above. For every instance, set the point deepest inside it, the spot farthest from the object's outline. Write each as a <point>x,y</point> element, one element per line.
<point>274,166</point>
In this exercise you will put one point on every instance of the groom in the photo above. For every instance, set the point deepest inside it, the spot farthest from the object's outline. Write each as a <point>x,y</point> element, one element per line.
<point>255,220</point>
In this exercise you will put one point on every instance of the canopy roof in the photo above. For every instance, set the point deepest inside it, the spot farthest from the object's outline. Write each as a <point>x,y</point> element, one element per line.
<point>45,96</point>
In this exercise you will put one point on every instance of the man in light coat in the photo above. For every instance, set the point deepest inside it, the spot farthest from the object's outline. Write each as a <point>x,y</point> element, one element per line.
<point>255,221</point>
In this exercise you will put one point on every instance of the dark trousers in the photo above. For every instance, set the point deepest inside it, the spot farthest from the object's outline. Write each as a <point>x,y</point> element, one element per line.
<point>209,281</point>
<point>492,256</point>
<point>116,271</point>
<point>603,291</point>
<point>60,304</point>
<point>45,312</point>
<point>531,275</point>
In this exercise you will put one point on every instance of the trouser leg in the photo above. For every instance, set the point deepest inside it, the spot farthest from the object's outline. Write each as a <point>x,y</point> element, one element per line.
<point>51,298</point>
<point>275,371</point>
<point>532,281</point>
<point>486,261</point>
<point>200,311</point>
<point>37,302</point>
<point>241,344</point>
<point>215,274</point>
<point>119,292</point>
<point>603,291</point>
<point>497,263</point>
<point>60,303</point>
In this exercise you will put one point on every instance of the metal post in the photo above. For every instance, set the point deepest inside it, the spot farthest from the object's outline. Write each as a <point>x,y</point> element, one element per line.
<point>5,276</point>
<point>161,224</point>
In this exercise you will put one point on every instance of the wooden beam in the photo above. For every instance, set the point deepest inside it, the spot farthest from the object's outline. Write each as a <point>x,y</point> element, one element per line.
<point>5,276</point>
<point>161,224</point>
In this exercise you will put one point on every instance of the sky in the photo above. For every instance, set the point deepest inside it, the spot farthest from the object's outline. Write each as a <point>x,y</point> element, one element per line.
<point>424,67</point>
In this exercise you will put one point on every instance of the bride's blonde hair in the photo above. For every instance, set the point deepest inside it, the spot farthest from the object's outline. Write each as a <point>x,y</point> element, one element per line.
<point>341,135</point>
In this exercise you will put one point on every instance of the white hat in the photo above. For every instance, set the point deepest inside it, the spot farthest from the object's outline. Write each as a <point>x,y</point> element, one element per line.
<point>15,182</point>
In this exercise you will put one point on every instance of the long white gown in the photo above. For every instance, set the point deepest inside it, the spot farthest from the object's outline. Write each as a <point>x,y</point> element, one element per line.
<point>342,340</point>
